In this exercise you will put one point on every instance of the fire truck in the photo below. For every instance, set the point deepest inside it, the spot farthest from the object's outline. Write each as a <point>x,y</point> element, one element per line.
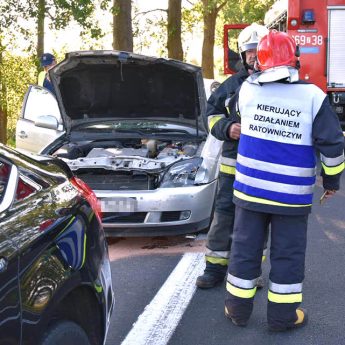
<point>318,27</point>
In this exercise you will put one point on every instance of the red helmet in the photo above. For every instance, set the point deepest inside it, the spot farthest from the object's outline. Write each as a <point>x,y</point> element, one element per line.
<point>277,49</point>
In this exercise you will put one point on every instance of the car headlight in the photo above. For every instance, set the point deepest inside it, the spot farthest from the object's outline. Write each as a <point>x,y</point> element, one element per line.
<point>182,173</point>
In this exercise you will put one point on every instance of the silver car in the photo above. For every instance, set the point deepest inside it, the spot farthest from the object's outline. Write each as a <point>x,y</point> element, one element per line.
<point>134,128</point>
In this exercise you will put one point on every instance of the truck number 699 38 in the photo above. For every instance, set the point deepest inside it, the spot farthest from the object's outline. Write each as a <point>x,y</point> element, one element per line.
<point>314,40</point>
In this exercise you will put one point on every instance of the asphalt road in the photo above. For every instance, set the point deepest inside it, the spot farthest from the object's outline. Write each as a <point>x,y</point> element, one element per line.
<point>141,266</point>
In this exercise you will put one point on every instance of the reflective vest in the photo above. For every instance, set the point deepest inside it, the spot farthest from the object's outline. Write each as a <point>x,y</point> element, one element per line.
<point>276,162</point>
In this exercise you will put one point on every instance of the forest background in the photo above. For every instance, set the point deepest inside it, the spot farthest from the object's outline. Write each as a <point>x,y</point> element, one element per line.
<point>187,30</point>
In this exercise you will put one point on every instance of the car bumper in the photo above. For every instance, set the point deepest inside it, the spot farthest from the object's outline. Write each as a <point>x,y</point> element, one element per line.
<point>165,211</point>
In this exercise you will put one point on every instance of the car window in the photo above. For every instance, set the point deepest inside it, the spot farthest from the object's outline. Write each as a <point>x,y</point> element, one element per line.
<point>41,102</point>
<point>4,174</point>
<point>23,188</point>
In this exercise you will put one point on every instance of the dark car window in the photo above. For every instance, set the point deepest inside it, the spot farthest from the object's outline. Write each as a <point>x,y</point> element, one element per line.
<point>23,189</point>
<point>4,174</point>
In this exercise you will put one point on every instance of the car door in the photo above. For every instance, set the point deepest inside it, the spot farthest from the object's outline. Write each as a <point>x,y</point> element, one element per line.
<point>40,121</point>
<point>10,309</point>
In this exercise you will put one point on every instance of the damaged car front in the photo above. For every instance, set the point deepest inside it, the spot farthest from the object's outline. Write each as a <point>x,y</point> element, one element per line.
<point>134,128</point>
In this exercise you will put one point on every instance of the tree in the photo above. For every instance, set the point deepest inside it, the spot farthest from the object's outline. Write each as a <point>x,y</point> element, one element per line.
<point>246,11</point>
<point>8,10</point>
<point>211,9</point>
<point>13,14</point>
<point>3,112</point>
<point>122,25</point>
<point>60,13</point>
<point>174,42</point>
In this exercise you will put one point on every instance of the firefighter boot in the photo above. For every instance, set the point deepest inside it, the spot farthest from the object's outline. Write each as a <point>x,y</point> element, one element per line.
<point>302,319</point>
<point>213,275</point>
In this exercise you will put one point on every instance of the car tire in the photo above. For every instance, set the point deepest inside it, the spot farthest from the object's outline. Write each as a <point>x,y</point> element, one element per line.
<point>66,333</point>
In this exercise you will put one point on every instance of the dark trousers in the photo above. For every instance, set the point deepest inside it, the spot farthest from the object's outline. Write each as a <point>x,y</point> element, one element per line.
<point>287,256</point>
<point>220,233</point>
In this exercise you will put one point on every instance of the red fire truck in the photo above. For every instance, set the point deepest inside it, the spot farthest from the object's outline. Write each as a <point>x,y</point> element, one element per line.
<point>318,27</point>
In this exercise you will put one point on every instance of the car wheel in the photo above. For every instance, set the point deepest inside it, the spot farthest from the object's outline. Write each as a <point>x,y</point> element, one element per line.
<point>66,333</point>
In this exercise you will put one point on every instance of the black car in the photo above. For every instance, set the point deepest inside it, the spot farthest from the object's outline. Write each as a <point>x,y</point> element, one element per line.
<point>55,280</point>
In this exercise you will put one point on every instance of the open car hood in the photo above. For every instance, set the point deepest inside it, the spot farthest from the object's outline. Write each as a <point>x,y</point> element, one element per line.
<point>99,85</point>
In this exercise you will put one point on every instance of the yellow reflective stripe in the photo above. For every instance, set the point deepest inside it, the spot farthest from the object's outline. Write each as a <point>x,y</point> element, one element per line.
<point>246,197</point>
<point>214,120</point>
<point>333,170</point>
<point>290,298</point>
<point>98,287</point>
<point>219,261</point>
<point>84,251</point>
<point>41,77</point>
<point>263,258</point>
<point>227,169</point>
<point>242,293</point>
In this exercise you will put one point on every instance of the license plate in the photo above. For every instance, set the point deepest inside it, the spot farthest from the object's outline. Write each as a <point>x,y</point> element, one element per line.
<point>119,205</point>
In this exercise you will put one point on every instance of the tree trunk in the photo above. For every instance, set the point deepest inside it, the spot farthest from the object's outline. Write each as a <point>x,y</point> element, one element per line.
<point>40,28</point>
<point>211,11</point>
<point>122,25</point>
<point>210,16</point>
<point>175,50</point>
<point>3,113</point>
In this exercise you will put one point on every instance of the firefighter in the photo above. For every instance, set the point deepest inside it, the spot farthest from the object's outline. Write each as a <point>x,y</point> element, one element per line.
<point>219,236</point>
<point>283,122</point>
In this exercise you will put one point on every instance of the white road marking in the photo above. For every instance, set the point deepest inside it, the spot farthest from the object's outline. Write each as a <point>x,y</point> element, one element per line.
<point>157,323</point>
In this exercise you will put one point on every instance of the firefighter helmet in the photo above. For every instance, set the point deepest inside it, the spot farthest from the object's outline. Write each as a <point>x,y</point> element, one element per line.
<point>249,38</point>
<point>277,49</point>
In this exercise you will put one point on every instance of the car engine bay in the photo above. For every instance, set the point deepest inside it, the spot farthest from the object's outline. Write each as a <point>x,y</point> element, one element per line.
<point>126,164</point>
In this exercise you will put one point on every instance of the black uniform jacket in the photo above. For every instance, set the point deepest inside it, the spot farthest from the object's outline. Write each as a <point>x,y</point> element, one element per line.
<point>216,106</point>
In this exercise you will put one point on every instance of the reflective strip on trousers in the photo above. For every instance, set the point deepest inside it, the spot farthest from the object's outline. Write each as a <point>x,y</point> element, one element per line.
<point>222,254</point>
<point>227,165</point>
<point>241,293</point>
<point>228,161</point>
<point>333,170</point>
<point>216,260</point>
<point>227,170</point>
<point>242,283</point>
<point>332,162</point>
<point>241,288</point>
<point>285,293</point>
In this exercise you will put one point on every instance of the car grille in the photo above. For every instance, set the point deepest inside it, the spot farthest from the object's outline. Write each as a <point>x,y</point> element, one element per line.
<point>172,216</point>
<point>138,217</point>
<point>118,181</point>
<point>124,217</point>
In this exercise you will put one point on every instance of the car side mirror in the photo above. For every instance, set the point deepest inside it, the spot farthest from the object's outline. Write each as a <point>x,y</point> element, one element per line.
<point>47,121</point>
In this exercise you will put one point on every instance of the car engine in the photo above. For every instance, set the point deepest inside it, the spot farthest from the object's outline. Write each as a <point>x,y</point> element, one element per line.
<point>126,164</point>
